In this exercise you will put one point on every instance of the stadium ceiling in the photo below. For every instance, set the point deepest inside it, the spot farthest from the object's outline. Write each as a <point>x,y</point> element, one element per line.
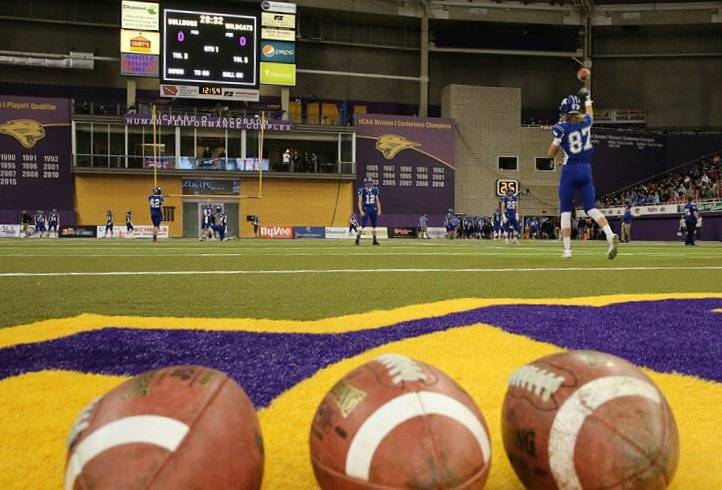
<point>550,12</point>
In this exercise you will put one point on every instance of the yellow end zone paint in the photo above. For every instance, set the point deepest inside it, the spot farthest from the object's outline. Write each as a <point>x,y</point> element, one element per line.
<point>53,329</point>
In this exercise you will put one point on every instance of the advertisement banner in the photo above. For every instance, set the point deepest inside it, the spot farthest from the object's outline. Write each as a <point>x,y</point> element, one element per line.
<point>278,34</point>
<point>142,42</point>
<point>78,231</point>
<point>341,232</point>
<point>9,231</point>
<point>309,232</point>
<point>194,92</point>
<point>276,19</point>
<point>278,74</point>
<point>283,7</point>
<point>204,186</point>
<point>35,157</point>
<point>411,159</point>
<point>139,231</point>
<point>139,65</point>
<point>278,51</point>
<point>142,16</point>
<point>401,232</point>
<point>285,232</point>
<point>436,232</point>
<point>657,209</point>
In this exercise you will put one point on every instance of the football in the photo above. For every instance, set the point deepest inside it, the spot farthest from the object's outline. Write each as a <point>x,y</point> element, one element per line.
<point>583,74</point>
<point>399,423</point>
<point>585,419</point>
<point>176,427</point>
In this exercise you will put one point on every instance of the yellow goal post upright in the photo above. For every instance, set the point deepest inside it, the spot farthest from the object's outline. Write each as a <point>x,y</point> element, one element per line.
<point>209,197</point>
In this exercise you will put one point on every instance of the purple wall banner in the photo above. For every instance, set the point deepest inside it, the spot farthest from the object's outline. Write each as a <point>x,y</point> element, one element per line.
<point>412,161</point>
<point>196,121</point>
<point>139,65</point>
<point>35,157</point>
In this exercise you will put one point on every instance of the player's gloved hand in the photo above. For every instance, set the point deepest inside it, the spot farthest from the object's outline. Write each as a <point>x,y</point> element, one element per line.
<point>585,95</point>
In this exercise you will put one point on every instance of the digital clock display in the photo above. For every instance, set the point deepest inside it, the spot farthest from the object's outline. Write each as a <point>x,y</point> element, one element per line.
<point>210,90</point>
<point>504,185</point>
<point>210,48</point>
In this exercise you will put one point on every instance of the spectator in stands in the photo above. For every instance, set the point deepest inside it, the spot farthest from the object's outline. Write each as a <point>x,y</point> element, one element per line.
<point>286,159</point>
<point>296,161</point>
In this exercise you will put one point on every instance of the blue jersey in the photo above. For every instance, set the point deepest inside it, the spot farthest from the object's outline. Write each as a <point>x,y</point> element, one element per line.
<point>53,219</point>
<point>627,216</point>
<point>496,218</point>
<point>128,218</point>
<point>689,212</point>
<point>369,198</point>
<point>423,221</point>
<point>109,219</point>
<point>575,138</point>
<point>510,204</point>
<point>155,201</point>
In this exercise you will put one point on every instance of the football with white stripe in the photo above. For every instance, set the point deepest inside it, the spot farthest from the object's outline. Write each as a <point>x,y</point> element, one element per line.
<point>399,423</point>
<point>585,419</point>
<point>176,427</point>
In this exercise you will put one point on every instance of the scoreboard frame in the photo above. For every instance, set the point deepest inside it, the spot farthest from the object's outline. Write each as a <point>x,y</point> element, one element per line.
<point>189,79</point>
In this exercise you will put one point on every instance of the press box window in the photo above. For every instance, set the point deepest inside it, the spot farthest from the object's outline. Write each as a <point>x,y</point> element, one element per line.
<point>508,163</point>
<point>545,164</point>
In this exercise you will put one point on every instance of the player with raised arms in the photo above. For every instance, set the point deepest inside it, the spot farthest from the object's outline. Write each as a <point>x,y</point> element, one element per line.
<point>156,210</point>
<point>573,135</point>
<point>510,215</point>
<point>369,207</point>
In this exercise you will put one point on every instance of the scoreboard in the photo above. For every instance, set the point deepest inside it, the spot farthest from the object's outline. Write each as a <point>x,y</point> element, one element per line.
<point>209,51</point>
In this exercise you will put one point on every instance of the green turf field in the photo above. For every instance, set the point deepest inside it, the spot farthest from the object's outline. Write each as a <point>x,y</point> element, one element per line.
<point>313,279</point>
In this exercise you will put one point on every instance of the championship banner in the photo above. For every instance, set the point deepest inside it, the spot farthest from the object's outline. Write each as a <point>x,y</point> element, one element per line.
<point>35,157</point>
<point>412,161</point>
<point>139,231</point>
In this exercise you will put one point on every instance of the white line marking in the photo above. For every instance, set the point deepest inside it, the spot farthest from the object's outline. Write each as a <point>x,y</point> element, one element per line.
<point>397,411</point>
<point>351,271</point>
<point>571,416</point>
<point>141,429</point>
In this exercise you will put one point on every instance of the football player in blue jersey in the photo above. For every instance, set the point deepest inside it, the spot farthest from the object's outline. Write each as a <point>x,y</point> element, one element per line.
<point>109,223</point>
<point>206,232</point>
<point>155,201</point>
<point>369,207</point>
<point>496,223</point>
<point>691,217</point>
<point>510,215</point>
<point>40,220</point>
<point>129,222</point>
<point>573,135</point>
<point>53,221</point>
<point>220,223</point>
<point>353,225</point>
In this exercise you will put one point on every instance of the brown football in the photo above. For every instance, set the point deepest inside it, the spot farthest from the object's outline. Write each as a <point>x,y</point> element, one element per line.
<point>399,423</point>
<point>174,428</point>
<point>585,419</point>
<point>583,74</point>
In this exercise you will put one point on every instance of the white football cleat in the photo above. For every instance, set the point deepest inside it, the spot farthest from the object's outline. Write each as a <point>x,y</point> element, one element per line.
<point>612,251</point>
<point>567,254</point>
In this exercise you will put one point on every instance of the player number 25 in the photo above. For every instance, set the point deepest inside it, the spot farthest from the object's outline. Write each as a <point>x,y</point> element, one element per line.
<point>579,141</point>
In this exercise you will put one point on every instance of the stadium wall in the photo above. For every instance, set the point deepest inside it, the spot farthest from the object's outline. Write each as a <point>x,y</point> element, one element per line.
<point>285,202</point>
<point>488,126</point>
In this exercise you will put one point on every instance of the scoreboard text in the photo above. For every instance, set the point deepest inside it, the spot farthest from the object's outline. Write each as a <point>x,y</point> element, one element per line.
<point>210,48</point>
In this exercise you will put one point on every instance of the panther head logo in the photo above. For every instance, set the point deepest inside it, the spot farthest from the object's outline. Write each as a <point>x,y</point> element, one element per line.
<point>26,131</point>
<point>391,144</point>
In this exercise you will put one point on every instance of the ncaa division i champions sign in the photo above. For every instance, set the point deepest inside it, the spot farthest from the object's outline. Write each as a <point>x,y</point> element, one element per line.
<point>412,161</point>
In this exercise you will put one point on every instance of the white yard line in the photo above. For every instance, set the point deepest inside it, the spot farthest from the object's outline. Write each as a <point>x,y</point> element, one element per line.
<point>353,271</point>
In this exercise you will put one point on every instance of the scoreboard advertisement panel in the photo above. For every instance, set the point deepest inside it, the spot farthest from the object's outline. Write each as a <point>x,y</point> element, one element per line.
<point>210,48</point>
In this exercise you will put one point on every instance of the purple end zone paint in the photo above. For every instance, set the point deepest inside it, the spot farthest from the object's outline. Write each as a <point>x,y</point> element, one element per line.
<point>669,336</point>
